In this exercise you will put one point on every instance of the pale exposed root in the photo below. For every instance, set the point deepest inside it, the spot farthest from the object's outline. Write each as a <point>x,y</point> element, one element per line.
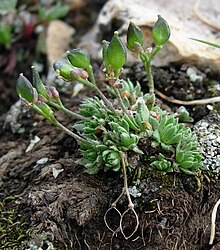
<point>213,218</point>
<point>130,206</point>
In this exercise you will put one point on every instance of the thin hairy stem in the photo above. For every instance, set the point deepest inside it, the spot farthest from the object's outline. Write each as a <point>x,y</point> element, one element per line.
<point>147,66</point>
<point>70,133</point>
<point>91,74</point>
<point>130,205</point>
<point>120,101</point>
<point>68,112</point>
<point>99,92</point>
<point>154,52</point>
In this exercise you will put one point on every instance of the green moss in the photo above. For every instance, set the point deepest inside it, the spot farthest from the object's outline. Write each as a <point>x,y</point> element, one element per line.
<point>14,230</point>
<point>166,180</point>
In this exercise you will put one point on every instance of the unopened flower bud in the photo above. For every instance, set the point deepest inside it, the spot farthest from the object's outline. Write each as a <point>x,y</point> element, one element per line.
<point>160,31</point>
<point>84,74</point>
<point>134,35</point>
<point>78,58</point>
<point>118,85</point>
<point>52,92</point>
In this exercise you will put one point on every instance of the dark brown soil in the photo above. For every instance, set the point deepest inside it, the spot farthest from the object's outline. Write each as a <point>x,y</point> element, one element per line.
<point>70,209</point>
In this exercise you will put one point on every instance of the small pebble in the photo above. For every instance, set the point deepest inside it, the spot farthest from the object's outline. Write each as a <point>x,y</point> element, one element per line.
<point>42,161</point>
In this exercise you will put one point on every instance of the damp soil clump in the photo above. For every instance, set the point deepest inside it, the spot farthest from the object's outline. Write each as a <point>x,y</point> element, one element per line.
<point>64,207</point>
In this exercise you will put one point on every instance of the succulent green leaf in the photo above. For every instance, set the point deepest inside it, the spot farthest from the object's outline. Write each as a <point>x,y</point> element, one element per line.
<point>168,133</point>
<point>117,167</point>
<point>167,147</point>
<point>92,168</point>
<point>137,89</point>
<point>187,171</point>
<point>134,35</point>
<point>174,140</point>
<point>126,102</point>
<point>143,111</point>
<point>161,164</point>
<point>125,125</point>
<point>117,128</point>
<point>154,122</point>
<point>111,159</point>
<point>132,123</point>
<point>91,155</point>
<point>156,136</point>
<point>25,90</point>
<point>116,53</point>
<point>187,164</point>
<point>79,58</point>
<point>126,140</point>
<point>163,121</point>
<point>160,31</point>
<point>101,148</point>
<point>137,150</point>
<point>138,119</point>
<point>179,155</point>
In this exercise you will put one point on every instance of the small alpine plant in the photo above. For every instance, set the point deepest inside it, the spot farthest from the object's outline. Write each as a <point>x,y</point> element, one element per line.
<point>110,127</point>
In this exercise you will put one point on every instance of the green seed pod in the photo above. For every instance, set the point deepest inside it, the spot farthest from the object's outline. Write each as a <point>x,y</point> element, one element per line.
<point>65,70</point>
<point>25,90</point>
<point>105,45</point>
<point>78,58</point>
<point>134,35</point>
<point>116,53</point>
<point>38,84</point>
<point>160,31</point>
<point>47,111</point>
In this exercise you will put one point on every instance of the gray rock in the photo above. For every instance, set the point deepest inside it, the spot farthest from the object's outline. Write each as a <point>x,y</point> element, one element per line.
<point>181,18</point>
<point>208,134</point>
